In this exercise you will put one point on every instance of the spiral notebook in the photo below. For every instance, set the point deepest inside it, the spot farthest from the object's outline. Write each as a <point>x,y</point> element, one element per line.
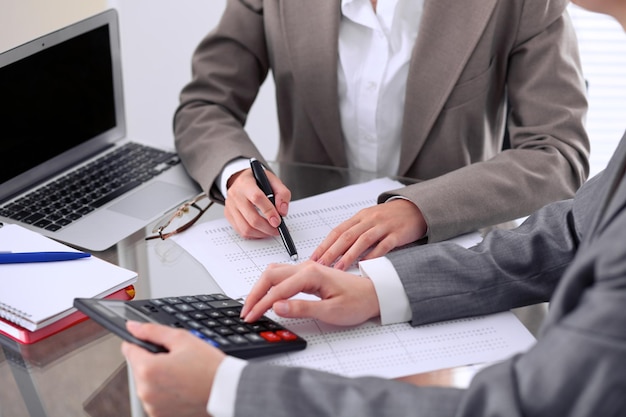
<point>37,296</point>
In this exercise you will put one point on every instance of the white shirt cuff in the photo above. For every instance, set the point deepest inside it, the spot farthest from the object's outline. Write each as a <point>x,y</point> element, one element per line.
<point>393,301</point>
<point>231,168</point>
<point>224,391</point>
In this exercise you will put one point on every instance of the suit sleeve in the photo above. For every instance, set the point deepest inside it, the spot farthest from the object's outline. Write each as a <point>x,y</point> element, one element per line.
<point>508,269</point>
<point>209,122</point>
<point>282,391</point>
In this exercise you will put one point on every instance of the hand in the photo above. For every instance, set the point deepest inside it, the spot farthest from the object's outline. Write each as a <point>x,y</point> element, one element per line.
<point>345,299</point>
<point>245,197</point>
<point>177,383</point>
<point>377,229</point>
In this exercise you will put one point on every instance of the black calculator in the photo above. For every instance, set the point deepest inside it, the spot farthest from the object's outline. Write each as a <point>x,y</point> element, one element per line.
<point>212,317</point>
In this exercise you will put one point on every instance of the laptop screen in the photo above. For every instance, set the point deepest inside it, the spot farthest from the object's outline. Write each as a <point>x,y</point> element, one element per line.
<point>55,100</point>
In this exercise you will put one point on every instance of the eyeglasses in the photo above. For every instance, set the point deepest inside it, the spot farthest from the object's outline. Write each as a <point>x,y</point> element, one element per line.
<point>181,219</point>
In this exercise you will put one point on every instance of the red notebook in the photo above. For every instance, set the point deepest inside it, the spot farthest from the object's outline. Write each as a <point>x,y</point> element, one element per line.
<point>22,335</point>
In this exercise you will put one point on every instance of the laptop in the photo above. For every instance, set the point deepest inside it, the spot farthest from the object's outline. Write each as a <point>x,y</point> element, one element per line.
<point>61,114</point>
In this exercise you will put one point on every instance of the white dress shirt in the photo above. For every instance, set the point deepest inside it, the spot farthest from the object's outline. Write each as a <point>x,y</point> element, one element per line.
<point>374,55</point>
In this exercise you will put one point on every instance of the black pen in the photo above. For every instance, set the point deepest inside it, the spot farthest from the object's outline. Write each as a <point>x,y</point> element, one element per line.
<point>264,185</point>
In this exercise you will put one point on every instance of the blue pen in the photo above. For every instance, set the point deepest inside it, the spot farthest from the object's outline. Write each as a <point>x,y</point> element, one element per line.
<point>28,257</point>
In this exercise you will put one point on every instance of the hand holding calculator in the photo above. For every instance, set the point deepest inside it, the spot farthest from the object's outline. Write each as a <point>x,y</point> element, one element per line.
<point>214,318</point>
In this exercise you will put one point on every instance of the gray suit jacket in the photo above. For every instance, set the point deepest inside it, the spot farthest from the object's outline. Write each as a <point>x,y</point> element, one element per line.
<point>572,253</point>
<point>471,58</point>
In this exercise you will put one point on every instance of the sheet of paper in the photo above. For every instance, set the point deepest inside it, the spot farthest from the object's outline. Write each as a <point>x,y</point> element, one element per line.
<point>370,349</point>
<point>236,263</point>
<point>398,350</point>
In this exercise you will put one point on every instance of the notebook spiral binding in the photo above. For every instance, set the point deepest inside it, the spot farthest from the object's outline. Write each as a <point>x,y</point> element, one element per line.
<point>13,314</point>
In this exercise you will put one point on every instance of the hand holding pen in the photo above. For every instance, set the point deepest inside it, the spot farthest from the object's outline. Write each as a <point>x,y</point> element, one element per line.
<point>263,183</point>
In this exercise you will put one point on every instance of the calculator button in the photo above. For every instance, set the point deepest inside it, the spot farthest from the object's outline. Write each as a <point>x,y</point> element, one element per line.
<point>182,317</point>
<point>255,327</point>
<point>194,324</point>
<point>171,300</point>
<point>286,335</point>
<point>238,339</point>
<point>189,299</point>
<point>205,298</point>
<point>149,309</point>
<point>203,337</point>
<point>169,309</point>
<point>220,297</point>
<point>200,305</point>
<point>254,338</point>
<point>197,315</point>
<point>208,333</point>
<point>184,307</point>
<point>222,341</point>
<point>240,329</point>
<point>224,331</point>
<point>231,313</point>
<point>211,323</point>
<point>270,336</point>
<point>226,303</point>
<point>228,322</point>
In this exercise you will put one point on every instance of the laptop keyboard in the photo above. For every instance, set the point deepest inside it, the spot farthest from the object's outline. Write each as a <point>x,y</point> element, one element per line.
<point>78,193</point>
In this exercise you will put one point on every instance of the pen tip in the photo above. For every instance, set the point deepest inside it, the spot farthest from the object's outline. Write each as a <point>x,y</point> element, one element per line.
<point>294,257</point>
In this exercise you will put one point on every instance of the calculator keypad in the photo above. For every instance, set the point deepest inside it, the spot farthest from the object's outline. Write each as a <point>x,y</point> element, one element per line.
<point>215,319</point>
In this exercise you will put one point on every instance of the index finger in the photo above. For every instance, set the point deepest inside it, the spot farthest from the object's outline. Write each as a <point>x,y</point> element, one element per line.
<point>259,290</point>
<point>282,194</point>
<point>259,298</point>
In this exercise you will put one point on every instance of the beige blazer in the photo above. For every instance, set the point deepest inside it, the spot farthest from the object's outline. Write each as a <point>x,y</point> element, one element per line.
<point>471,58</point>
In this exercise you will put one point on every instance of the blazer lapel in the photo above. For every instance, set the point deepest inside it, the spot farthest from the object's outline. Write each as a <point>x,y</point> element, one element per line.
<point>449,30</point>
<point>311,33</point>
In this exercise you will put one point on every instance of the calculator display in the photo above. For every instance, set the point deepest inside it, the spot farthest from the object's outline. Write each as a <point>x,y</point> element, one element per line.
<point>123,311</point>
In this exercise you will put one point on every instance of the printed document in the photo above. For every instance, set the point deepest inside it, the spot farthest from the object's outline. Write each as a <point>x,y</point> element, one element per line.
<point>369,349</point>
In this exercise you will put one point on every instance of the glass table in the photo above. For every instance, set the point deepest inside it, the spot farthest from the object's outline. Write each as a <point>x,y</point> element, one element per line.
<point>81,372</point>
